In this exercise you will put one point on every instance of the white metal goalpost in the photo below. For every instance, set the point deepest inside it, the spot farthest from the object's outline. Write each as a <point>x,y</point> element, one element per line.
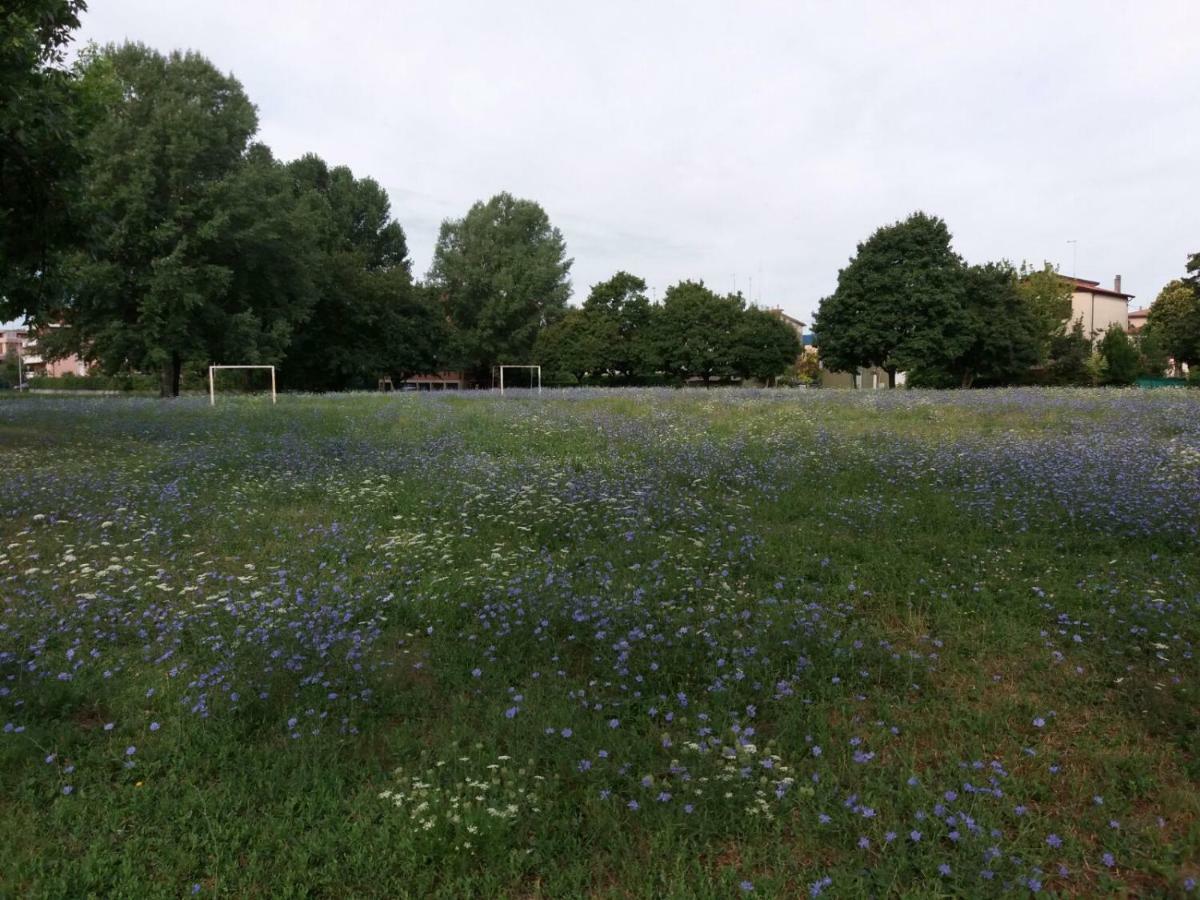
<point>212,392</point>
<point>537,369</point>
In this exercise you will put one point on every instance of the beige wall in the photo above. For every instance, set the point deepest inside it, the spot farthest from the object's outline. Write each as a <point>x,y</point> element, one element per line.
<point>1108,311</point>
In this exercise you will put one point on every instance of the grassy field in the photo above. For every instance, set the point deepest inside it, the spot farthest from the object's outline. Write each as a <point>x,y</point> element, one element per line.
<point>630,644</point>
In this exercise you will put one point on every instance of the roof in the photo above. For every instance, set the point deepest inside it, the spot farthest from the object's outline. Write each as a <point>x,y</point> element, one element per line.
<point>791,320</point>
<point>1093,287</point>
<point>1139,313</point>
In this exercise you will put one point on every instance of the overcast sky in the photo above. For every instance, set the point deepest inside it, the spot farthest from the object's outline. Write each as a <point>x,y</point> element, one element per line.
<point>747,141</point>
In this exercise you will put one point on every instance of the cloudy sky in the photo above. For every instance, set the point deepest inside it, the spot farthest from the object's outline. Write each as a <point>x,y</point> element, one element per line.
<point>743,143</point>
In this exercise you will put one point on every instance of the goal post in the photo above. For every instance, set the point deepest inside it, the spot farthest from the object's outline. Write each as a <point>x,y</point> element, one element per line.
<point>532,371</point>
<point>212,382</point>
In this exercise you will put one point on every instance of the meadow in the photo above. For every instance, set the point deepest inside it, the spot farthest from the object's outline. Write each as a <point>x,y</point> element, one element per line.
<point>622,644</point>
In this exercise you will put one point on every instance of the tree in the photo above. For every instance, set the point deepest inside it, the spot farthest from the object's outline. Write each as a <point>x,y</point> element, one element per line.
<point>39,147</point>
<point>1002,333</point>
<point>1122,364</point>
<point>1174,320</point>
<point>764,346</point>
<point>1070,353</point>
<point>369,318</point>
<point>578,344</point>
<point>898,304</point>
<point>695,331</point>
<point>1047,295</point>
<point>503,273</point>
<point>622,300</point>
<point>194,247</point>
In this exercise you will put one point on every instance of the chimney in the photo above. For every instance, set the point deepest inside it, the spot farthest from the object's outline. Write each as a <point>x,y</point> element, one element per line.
<point>1117,284</point>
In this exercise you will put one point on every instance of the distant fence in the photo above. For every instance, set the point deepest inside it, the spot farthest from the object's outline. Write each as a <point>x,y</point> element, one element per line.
<point>1161,382</point>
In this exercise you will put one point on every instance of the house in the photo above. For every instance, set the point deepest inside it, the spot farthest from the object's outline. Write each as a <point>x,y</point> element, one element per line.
<point>21,343</point>
<point>796,324</point>
<point>1097,308</point>
<point>438,381</point>
<point>1137,320</point>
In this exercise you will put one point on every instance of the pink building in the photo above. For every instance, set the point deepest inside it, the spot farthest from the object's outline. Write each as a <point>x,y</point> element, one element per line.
<point>19,342</point>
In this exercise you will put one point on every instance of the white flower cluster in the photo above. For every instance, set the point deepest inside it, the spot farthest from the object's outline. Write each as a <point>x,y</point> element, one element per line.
<point>457,805</point>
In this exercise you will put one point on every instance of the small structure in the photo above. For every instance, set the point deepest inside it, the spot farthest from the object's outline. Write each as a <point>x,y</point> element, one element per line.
<point>437,381</point>
<point>1097,308</point>
<point>1137,320</point>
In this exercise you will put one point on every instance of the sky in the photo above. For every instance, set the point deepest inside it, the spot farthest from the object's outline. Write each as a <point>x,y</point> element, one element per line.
<point>751,145</point>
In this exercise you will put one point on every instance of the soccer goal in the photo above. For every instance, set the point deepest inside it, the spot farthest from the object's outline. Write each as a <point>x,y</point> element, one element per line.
<point>534,372</point>
<point>212,380</point>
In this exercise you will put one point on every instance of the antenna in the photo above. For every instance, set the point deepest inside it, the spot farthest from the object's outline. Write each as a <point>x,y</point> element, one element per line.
<point>1074,257</point>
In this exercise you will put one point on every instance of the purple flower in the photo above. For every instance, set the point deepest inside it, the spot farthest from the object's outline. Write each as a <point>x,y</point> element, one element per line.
<point>944,869</point>
<point>154,726</point>
<point>864,843</point>
<point>747,886</point>
<point>130,750</point>
<point>915,835</point>
<point>614,723</point>
<point>511,712</point>
<point>67,789</point>
<point>1054,841</point>
<point>1108,860</point>
<point>1039,722</point>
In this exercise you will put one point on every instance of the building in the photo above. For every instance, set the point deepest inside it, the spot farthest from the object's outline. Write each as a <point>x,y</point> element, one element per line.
<point>1096,308</point>
<point>18,341</point>
<point>1137,320</point>
<point>438,381</point>
<point>796,324</point>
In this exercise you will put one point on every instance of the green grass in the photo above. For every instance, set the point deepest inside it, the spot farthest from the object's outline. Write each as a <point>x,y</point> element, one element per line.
<point>991,594</point>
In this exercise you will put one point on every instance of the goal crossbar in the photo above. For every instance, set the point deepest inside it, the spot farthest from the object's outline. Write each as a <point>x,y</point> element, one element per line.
<point>537,369</point>
<point>212,391</point>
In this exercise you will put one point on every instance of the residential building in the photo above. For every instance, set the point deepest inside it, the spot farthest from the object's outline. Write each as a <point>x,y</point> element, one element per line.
<point>1137,320</point>
<point>1098,308</point>
<point>20,341</point>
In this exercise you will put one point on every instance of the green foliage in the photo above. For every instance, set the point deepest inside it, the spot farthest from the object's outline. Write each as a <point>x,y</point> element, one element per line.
<point>39,148</point>
<point>369,319</point>
<point>578,344</point>
<point>899,302</point>
<point>503,272</point>
<point>197,247</point>
<point>1174,319</point>
<point>1122,363</point>
<point>1047,296</point>
<point>1070,357</point>
<point>1000,336</point>
<point>764,346</point>
<point>695,331</point>
<point>622,300</point>
<point>1153,355</point>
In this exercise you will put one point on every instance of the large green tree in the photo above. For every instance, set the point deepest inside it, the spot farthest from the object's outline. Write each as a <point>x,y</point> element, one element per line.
<point>194,247</point>
<point>898,304</point>
<point>578,344</point>
<point>1002,333</point>
<point>1047,295</point>
<point>503,271</point>
<point>39,148</point>
<point>1174,319</point>
<point>695,331</point>
<point>622,301</point>
<point>764,346</point>
<point>369,319</point>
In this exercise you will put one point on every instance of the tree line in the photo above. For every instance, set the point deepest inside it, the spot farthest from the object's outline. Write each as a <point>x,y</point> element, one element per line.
<point>140,213</point>
<point>906,302</point>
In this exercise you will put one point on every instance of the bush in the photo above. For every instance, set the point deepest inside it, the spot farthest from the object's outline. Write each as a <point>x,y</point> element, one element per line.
<point>1122,363</point>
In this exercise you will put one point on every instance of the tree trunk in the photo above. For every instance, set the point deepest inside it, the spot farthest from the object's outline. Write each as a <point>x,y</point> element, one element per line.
<point>891,370</point>
<point>968,379</point>
<point>168,385</point>
<point>164,381</point>
<point>176,373</point>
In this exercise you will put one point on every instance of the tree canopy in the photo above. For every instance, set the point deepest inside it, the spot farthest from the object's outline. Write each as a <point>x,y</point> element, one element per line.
<point>195,245</point>
<point>39,152</point>
<point>503,272</point>
<point>1174,319</point>
<point>898,303</point>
